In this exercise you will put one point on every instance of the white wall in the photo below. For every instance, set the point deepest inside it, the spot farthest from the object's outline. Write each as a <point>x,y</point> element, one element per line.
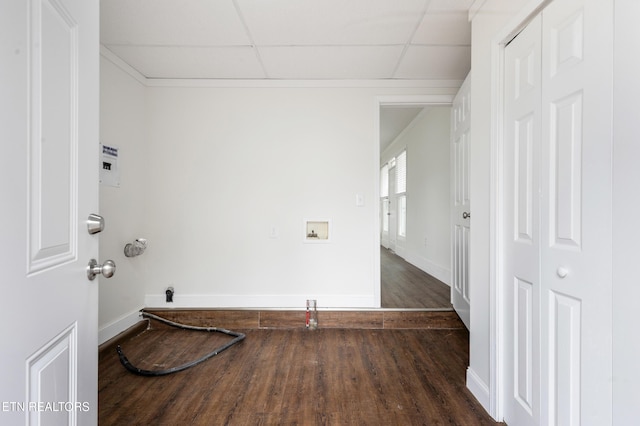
<point>209,170</point>
<point>428,241</point>
<point>229,164</point>
<point>123,125</point>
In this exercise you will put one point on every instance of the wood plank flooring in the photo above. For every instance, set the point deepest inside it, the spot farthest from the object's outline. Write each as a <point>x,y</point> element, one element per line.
<point>330,376</point>
<point>406,286</point>
<point>366,319</point>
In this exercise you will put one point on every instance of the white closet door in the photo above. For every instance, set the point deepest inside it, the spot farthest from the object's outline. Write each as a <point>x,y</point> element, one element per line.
<point>557,217</point>
<point>521,226</point>
<point>576,211</point>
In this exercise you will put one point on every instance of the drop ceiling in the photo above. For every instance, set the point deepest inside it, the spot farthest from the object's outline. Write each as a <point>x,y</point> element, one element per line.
<point>290,39</point>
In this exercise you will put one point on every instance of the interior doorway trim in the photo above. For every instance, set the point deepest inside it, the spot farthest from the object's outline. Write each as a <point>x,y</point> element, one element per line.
<point>391,100</point>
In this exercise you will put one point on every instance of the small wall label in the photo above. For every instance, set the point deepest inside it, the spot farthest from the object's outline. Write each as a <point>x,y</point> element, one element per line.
<point>109,170</point>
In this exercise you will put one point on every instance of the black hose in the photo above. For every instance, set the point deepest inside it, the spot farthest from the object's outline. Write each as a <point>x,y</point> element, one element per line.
<point>139,371</point>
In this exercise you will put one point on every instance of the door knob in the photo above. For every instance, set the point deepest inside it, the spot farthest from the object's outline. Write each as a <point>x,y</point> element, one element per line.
<point>466,215</point>
<point>107,269</point>
<point>562,272</point>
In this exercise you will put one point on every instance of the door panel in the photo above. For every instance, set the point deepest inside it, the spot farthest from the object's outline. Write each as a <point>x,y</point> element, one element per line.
<point>524,188</point>
<point>524,345</point>
<point>521,226</point>
<point>564,349</point>
<point>50,377</point>
<point>565,170</point>
<point>461,203</point>
<point>53,146</point>
<point>49,109</point>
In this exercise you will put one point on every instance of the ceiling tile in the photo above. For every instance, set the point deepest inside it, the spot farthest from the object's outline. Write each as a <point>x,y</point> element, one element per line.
<point>330,22</point>
<point>435,62</point>
<point>171,23</point>
<point>191,62</point>
<point>338,62</point>
<point>444,29</point>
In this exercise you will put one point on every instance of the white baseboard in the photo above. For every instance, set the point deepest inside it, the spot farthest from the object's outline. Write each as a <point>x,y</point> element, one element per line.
<point>479,389</point>
<point>257,301</point>
<point>116,327</point>
<point>431,268</point>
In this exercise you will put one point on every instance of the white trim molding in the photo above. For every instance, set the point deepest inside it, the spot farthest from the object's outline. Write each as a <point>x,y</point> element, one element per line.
<point>393,100</point>
<point>236,301</point>
<point>111,57</point>
<point>440,272</point>
<point>478,388</point>
<point>116,327</point>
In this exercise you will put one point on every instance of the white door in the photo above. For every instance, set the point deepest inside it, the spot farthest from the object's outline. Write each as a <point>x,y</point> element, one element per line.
<point>49,131</point>
<point>521,234</point>
<point>576,222</point>
<point>384,206</point>
<point>461,203</point>
<point>384,222</point>
<point>557,219</point>
<point>393,210</point>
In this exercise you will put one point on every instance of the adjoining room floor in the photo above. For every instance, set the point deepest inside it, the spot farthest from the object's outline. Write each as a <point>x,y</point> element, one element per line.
<point>403,285</point>
<point>330,376</point>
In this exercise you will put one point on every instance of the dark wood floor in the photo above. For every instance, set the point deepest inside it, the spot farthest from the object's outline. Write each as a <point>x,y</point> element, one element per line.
<point>406,286</point>
<point>292,377</point>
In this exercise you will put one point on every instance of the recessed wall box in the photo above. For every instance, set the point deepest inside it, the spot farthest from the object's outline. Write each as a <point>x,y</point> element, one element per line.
<point>317,231</point>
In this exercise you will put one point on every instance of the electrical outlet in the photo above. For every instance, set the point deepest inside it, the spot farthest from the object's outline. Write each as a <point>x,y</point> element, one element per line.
<point>169,294</point>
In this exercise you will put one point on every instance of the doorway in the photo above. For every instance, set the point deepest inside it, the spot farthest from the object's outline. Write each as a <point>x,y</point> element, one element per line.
<point>414,256</point>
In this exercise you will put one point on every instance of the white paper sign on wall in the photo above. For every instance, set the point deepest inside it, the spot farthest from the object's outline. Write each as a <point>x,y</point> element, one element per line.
<point>109,170</point>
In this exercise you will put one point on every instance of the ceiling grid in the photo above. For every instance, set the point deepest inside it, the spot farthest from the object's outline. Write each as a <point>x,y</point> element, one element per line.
<point>290,39</point>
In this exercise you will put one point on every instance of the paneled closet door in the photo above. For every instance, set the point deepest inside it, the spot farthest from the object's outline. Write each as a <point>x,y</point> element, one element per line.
<point>576,223</point>
<point>557,219</point>
<point>521,232</point>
